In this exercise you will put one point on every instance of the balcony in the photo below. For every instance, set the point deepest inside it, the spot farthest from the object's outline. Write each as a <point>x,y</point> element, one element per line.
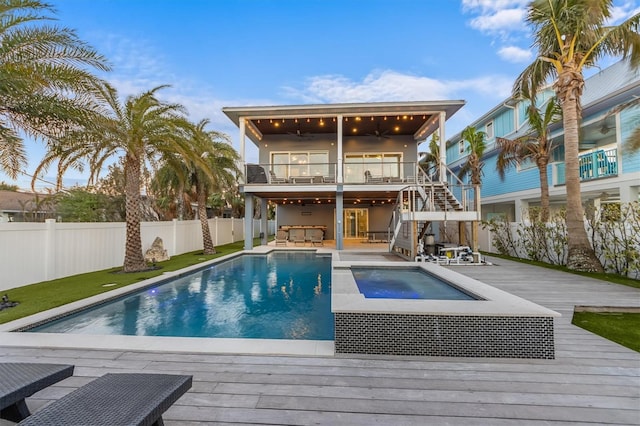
<point>593,165</point>
<point>370,173</point>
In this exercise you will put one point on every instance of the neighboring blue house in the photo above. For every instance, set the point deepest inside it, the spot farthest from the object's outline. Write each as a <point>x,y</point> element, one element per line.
<point>609,172</point>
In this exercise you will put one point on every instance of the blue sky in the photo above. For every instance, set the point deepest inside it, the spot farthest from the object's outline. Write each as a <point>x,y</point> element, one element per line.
<point>220,53</point>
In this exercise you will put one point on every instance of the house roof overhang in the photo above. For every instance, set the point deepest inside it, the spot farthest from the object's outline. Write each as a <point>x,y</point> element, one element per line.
<point>418,118</point>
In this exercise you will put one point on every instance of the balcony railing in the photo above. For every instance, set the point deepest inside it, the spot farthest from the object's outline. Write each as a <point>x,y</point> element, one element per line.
<point>323,173</point>
<point>592,165</point>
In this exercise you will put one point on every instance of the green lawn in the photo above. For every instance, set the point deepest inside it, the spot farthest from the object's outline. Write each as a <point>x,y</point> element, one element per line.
<point>623,328</point>
<point>45,295</point>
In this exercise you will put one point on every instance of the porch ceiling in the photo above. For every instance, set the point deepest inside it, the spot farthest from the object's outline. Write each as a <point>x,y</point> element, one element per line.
<point>376,119</point>
<point>329,197</point>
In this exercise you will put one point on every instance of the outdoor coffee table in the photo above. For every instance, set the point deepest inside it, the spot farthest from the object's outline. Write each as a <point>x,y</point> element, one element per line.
<point>21,380</point>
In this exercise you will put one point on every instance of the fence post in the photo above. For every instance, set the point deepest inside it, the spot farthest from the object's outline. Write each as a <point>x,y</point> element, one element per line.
<point>50,250</point>
<point>174,245</point>
<point>215,222</point>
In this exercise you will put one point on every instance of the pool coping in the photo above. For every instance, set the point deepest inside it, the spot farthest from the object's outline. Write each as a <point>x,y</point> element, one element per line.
<point>10,335</point>
<point>346,297</point>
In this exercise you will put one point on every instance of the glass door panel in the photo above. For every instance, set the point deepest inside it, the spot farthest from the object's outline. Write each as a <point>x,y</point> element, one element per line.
<point>356,223</point>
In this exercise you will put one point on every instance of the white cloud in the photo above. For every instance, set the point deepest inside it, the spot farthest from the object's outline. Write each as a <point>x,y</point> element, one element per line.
<point>515,54</point>
<point>623,11</point>
<point>394,86</point>
<point>489,6</point>
<point>500,21</point>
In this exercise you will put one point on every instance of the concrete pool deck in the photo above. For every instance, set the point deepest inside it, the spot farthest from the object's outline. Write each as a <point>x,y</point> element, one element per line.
<point>591,381</point>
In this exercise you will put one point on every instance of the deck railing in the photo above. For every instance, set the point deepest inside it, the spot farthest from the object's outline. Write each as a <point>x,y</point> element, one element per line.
<point>592,165</point>
<point>323,173</point>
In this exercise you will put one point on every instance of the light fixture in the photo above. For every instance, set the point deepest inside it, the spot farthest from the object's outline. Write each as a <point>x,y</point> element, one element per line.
<point>276,124</point>
<point>308,120</point>
<point>355,130</point>
<point>397,128</point>
<point>358,119</point>
<point>295,120</point>
<point>258,121</point>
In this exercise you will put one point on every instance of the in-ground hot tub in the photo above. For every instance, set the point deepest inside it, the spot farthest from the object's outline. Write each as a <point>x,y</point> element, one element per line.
<point>490,323</point>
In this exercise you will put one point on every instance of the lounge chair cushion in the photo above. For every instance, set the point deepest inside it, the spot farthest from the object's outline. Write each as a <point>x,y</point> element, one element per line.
<point>115,399</point>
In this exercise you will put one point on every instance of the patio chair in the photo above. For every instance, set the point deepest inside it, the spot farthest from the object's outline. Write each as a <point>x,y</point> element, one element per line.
<point>115,399</point>
<point>21,380</point>
<point>316,237</point>
<point>281,237</point>
<point>297,236</point>
<point>276,179</point>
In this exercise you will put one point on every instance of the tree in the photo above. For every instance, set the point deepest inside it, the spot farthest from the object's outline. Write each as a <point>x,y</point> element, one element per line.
<point>430,160</point>
<point>86,205</point>
<point>46,88</point>
<point>571,35</point>
<point>475,150</point>
<point>534,146</point>
<point>473,166</point>
<point>141,130</point>
<point>215,172</point>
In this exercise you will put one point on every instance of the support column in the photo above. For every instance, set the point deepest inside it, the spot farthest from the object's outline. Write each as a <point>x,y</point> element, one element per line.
<point>248,221</point>
<point>521,206</point>
<point>264,223</point>
<point>339,119</point>
<point>243,134</point>
<point>339,219</point>
<point>443,150</point>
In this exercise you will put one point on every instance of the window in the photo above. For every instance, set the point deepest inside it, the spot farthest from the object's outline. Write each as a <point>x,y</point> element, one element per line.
<point>378,165</point>
<point>489,130</point>
<point>461,147</point>
<point>286,164</point>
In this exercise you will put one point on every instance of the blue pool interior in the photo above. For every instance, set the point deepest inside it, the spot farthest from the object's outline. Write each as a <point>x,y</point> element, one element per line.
<point>405,283</point>
<point>280,295</point>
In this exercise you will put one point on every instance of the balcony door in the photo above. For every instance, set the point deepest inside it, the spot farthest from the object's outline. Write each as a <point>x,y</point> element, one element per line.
<point>356,223</point>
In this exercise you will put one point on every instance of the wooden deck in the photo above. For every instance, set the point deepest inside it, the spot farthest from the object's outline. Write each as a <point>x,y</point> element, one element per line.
<point>592,380</point>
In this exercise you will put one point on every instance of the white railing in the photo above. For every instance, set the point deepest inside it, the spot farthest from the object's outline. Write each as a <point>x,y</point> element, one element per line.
<point>34,252</point>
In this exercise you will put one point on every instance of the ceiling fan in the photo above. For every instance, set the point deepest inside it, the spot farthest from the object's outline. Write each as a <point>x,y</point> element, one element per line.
<point>299,134</point>
<point>378,133</point>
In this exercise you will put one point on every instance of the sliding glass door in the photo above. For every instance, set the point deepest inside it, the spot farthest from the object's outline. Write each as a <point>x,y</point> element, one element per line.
<point>356,223</point>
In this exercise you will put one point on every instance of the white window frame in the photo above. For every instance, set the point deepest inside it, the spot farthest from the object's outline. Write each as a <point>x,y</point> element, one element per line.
<point>488,129</point>
<point>284,170</point>
<point>461,147</point>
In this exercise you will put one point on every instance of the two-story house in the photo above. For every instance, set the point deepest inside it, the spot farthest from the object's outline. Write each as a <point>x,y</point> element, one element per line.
<point>350,170</point>
<point>609,171</point>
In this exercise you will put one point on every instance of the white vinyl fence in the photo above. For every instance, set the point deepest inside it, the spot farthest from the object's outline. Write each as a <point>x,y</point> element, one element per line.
<point>34,252</point>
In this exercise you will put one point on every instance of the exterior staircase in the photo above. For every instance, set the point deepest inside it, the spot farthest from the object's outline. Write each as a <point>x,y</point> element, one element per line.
<point>420,205</point>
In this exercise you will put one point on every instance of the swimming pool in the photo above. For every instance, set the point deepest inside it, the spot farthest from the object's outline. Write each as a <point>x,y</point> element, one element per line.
<point>279,295</point>
<point>405,283</point>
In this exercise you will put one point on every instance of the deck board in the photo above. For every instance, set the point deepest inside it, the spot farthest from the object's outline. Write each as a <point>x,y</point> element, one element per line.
<point>591,381</point>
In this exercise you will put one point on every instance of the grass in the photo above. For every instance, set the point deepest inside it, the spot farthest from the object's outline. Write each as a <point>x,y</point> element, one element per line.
<point>45,295</point>
<point>612,278</point>
<point>622,328</point>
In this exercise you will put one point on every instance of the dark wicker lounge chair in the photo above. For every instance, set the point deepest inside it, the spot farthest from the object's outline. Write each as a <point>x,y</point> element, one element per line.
<point>21,380</point>
<point>115,399</point>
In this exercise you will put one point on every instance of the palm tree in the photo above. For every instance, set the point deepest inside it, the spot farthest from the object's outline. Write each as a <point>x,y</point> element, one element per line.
<point>473,166</point>
<point>221,161</point>
<point>142,130</point>
<point>215,172</point>
<point>430,161</point>
<point>571,35</point>
<point>534,146</point>
<point>475,148</point>
<point>45,87</point>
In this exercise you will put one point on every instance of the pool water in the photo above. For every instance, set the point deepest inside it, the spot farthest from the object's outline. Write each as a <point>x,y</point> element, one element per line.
<point>397,283</point>
<point>281,295</point>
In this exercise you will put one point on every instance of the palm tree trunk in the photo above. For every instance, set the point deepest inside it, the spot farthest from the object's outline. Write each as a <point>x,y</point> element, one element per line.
<point>544,190</point>
<point>204,223</point>
<point>133,257</point>
<point>581,256</point>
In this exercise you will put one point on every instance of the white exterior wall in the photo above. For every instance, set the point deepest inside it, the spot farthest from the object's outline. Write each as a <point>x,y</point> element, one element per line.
<point>35,252</point>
